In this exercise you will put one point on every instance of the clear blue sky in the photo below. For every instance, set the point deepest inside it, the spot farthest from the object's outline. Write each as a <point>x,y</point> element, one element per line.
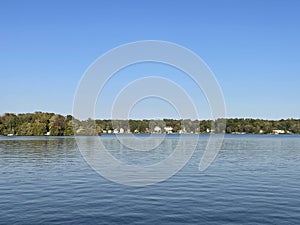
<point>252,46</point>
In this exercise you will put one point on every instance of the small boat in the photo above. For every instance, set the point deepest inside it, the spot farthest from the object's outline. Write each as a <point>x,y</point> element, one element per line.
<point>10,135</point>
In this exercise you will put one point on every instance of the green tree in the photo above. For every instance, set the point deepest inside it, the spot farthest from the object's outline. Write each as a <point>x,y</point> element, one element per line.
<point>57,125</point>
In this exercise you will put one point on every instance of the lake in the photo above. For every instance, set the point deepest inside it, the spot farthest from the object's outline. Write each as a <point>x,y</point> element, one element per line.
<point>255,179</point>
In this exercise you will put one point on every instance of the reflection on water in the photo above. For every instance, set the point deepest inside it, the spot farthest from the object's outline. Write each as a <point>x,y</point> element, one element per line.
<point>37,147</point>
<point>254,180</point>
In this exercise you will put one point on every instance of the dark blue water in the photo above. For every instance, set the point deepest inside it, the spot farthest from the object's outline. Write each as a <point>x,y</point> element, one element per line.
<point>254,180</point>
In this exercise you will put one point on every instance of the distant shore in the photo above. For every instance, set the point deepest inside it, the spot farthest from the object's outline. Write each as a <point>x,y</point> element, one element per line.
<point>51,124</point>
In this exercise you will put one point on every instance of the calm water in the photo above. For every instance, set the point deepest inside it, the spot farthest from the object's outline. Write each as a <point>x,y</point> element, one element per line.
<point>254,180</point>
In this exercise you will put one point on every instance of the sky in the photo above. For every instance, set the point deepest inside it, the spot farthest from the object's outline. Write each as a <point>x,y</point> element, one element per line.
<point>252,47</point>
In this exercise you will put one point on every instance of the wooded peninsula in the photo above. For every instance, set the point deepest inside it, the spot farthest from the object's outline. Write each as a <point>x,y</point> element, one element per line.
<point>51,124</point>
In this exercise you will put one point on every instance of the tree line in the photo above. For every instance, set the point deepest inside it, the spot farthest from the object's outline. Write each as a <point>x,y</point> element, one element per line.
<point>44,123</point>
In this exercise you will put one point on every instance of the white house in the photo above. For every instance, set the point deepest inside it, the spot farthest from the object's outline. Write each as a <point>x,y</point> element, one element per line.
<point>116,131</point>
<point>79,130</point>
<point>157,129</point>
<point>168,130</point>
<point>182,131</point>
<point>278,131</point>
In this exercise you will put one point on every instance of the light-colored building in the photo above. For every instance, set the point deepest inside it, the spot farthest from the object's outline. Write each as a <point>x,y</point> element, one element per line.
<point>79,130</point>
<point>116,131</point>
<point>157,129</point>
<point>278,131</point>
<point>182,131</point>
<point>168,130</point>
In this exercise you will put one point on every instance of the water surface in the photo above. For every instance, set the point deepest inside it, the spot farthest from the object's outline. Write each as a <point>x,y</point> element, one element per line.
<point>254,180</point>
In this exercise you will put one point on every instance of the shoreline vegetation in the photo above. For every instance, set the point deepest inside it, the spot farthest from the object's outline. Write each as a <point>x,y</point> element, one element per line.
<point>51,124</point>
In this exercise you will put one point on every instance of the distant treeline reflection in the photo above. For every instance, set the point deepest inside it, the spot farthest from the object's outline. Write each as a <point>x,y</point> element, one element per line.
<point>44,123</point>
